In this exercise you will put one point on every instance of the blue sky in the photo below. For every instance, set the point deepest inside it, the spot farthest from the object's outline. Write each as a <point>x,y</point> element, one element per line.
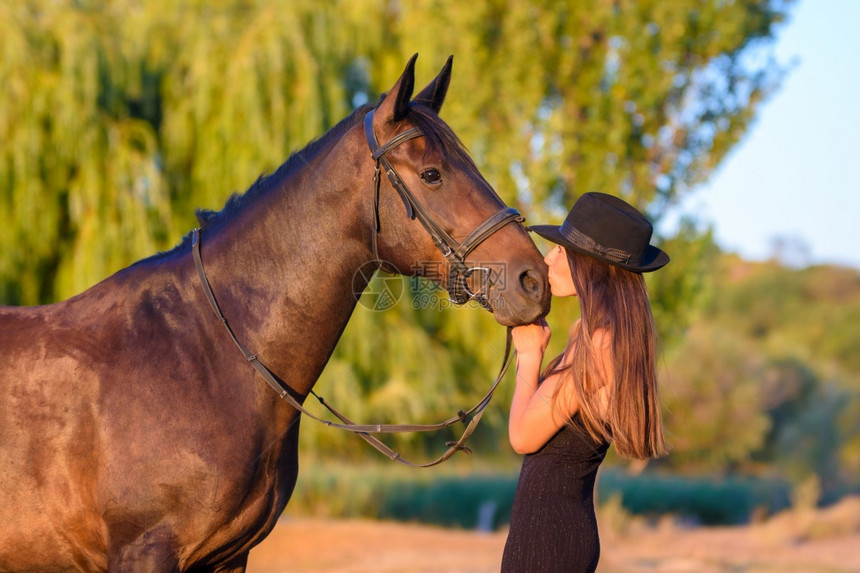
<point>794,175</point>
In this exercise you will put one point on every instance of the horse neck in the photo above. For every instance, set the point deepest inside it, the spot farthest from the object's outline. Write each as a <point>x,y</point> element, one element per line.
<point>283,267</point>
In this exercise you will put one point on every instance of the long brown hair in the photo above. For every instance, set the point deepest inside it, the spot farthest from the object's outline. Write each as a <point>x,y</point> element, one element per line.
<point>616,300</point>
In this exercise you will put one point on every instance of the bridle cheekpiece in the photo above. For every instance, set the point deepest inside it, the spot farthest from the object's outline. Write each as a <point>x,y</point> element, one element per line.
<point>454,252</point>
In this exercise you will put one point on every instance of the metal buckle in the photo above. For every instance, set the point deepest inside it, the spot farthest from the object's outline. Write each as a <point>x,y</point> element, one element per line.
<point>458,288</point>
<point>481,294</point>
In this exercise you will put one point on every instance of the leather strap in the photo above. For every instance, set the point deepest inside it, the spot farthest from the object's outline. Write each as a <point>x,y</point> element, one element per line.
<point>364,431</point>
<point>486,229</point>
<point>454,252</point>
<point>378,154</point>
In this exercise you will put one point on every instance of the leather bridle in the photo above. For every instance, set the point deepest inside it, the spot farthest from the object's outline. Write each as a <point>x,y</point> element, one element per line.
<point>459,291</point>
<point>459,271</point>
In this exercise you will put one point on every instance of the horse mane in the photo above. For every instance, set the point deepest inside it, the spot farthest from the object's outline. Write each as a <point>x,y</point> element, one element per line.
<point>296,160</point>
<point>437,133</point>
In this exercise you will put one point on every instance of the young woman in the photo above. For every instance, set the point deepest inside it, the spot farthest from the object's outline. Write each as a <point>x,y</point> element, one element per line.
<point>601,389</point>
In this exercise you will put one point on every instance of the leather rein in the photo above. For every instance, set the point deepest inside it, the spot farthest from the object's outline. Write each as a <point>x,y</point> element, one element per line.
<point>458,289</point>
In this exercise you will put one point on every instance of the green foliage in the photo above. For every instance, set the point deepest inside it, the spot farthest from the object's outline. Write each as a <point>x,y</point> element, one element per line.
<point>442,496</point>
<point>82,192</point>
<point>119,121</point>
<point>726,501</point>
<point>453,500</point>
<point>790,334</point>
<point>713,399</point>
<point>804,439</point>
<point>456,496</point>
<point>679,290</point>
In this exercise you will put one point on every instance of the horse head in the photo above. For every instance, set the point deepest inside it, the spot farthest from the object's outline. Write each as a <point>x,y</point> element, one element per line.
<point>436,216</point>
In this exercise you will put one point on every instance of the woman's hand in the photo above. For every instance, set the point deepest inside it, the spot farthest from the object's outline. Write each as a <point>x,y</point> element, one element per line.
<point>531,338</point>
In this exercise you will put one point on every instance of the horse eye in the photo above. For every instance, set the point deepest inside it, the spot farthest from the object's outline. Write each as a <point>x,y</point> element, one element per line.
<point>431,176</point>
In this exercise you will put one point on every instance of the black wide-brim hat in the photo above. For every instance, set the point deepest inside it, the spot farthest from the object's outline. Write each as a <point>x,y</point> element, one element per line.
<point>608,229</point>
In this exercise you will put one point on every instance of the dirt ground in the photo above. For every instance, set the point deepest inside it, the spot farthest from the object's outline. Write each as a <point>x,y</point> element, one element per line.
<point>358,546</point>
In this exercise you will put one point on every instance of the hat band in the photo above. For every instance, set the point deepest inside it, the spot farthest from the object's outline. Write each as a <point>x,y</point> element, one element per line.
<point>585,242</point>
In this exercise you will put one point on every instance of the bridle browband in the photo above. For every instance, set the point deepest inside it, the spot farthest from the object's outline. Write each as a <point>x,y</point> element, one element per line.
<point>459,272</point>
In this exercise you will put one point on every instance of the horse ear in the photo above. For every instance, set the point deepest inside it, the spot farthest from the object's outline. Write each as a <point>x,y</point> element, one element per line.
<point>434,94</point>
<point>396,101</point>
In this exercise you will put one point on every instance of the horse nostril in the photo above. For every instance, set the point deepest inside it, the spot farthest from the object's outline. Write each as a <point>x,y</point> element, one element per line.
<point>530,284</point>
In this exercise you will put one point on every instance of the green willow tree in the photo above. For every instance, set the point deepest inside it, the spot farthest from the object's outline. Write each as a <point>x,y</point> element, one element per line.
<point>118,119</point>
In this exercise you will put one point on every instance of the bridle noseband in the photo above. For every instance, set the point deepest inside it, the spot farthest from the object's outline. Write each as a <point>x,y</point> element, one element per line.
<point>459,270</point>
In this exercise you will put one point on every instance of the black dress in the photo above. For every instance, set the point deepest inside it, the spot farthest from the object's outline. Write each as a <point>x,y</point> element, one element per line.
<point>553,526</point>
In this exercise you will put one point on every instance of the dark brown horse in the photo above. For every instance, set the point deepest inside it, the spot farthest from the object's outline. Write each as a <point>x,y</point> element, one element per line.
<point>134,436</point>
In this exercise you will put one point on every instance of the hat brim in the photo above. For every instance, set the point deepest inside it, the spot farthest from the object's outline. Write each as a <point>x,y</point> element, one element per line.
<point>652,259</point>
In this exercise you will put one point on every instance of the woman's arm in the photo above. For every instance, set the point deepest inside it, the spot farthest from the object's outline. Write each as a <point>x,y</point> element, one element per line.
<point>534,418</point>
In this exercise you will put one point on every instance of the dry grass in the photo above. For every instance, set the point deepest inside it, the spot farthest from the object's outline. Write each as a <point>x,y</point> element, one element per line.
<point>798,541</point>
<point>805,525</point>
